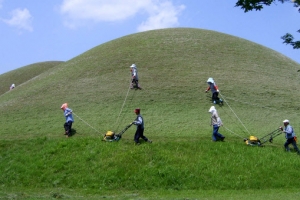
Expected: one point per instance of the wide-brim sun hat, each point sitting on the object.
(212, 108)
(210, 80)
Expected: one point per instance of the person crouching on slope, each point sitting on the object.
(139, 122)
(212, 86)
(69, 119)
(216, 122)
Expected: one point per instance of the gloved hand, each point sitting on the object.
(281, 128)
(205, 90)
(67, 114)
(218, 91)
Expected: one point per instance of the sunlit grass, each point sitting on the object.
(173, 65)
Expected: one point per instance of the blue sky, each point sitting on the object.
(34, 31)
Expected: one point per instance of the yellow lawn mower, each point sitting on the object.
(111, 136)
(255, 141)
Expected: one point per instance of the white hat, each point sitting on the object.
(212, 109)
(133, 66)
(286, 121)
(210, 80)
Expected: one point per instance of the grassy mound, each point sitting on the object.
(24, 74)
(257, 84)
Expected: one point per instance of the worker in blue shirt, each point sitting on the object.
(289, 135)
(139, 122)
(69, 119)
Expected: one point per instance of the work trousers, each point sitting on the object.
(216, 135)
(293, 142)
(215, 96)
(139, 134)
(68, 127)
(134, 83)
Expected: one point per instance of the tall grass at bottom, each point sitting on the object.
(181, 164)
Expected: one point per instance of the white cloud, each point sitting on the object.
(163, 16)
(21, 19)
(160, 13)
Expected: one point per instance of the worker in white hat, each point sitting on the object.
(216, 122)
(134, 77)
(289, 135)
(12, 86)
(212, 86)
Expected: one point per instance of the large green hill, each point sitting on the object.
(259, 87)
(173, 65)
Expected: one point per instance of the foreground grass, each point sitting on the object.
(168, 168)
(60, 193)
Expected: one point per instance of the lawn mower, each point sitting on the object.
(254, 141)
(110, 136)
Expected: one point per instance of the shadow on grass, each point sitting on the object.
(73, 132)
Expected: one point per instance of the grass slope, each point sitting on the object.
(257, 83)
(23, 74)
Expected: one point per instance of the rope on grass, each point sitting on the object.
(122, 106)
(252, 104)
(233, 132)
(86, 123)
(117, 121)
(234, 113)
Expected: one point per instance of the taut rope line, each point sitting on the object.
(234, 112)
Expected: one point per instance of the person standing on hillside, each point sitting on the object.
(69, 119)
(139, 122)
(12, 86)
(290, 136)
(216, 122)
(134, 77)
(212, 86)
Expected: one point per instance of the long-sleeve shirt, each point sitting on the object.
(134, 73)
(215, 119)
(68, 115)
(289, 132)
(139, 122)
(213, 87)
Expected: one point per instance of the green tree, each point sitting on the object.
(249, 5)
